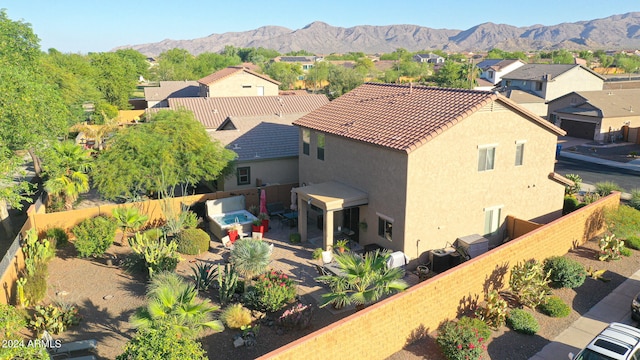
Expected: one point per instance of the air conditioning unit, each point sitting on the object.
(474, 245)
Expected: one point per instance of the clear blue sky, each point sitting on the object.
(100, 25)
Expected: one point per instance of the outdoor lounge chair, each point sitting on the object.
(67, 349)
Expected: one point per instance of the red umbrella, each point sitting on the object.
(263, 201)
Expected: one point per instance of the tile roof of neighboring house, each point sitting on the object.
(496, 64)
(403, 117)
(169, 89)
(211, 112)
(229, 71)
(544, 71)
(260, 137)
(606, 103)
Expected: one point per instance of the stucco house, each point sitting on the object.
(493, 70)
(237, 81)
(532, 85)
(259, 129)
(413, 168)
(156, 96)
(604, 116)
(430, 58)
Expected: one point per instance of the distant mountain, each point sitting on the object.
(610, 33)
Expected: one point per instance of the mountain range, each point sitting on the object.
(610, 33)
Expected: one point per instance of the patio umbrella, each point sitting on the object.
(263, 201)
(294, 200)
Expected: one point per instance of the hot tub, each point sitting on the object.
(220, 223)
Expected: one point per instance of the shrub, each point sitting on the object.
(236, 316)
(296, 317)
(570, 204)
(635, 199)
(12, 321)
(565, 273)
(317, 253)
(633, 242)
(555, 307)
(605, 188)
(523, 322)
(162, 343)
(530, 283)
(626, 252)
(190, 220)
(192, 241)
(94, 236)
(54, 319)
(58, 237)
(272, 291)
(154, 234)
(35, 287)
(623, 222)
(610, 248)
(494, 312)
(294, 238)
(463, 339)
(154, 255)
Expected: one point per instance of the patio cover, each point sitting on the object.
(332, 195)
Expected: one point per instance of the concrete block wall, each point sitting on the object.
(384, 328)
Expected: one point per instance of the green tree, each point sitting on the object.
(12, 192)
(174, 64)
(66, 167)
(562, 57)
(450, 75)
(318, 75)
(18, 44)
(250, 258)
(365, 280)
(208, 63)
(343, 80)
(286, 73)
(115, 77)
(175, 304)
(174, 148)
(138, 60)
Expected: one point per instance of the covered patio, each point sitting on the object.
(330, 197)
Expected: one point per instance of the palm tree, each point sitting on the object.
(250, 258)
(97, 132)
(174, 303)
(364, 280)
(66, 166)
(129, 220)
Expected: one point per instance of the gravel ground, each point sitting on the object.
(507, 344)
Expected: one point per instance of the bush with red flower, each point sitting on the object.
(464, 339)
(271, 291)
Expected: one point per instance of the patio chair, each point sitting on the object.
(67, 349)
(321, 270)
(226, 241)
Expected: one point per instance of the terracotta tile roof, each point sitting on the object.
(169, 89)
(229, 71)
(211, 112)
(403, 117)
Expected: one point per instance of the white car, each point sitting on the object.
(617, 341)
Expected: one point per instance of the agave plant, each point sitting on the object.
(175, 303)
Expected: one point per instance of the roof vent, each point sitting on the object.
(236, 146)
(215, 111)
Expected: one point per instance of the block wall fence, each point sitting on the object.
(41, 221)
(384, 328)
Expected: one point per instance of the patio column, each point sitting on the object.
(327, 233)
(302, 219)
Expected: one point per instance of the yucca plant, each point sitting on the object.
(250, 258)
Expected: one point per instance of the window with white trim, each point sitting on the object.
(243, 175)
(385, 227)
(492, 219)
(486, 157)
(519, 152)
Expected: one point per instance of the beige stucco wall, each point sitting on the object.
(449, 194)
(576, 79)
(378, 171)
(444, 193)
(538, 108)
(233, 86)
(276, 171)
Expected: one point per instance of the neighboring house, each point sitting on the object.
(492, 70)
(258, 129)
(237, 81)
(598, 115)
(413, 168)
(307, 62)
(532, 85)
(430, 58)
(156, 96)
(267, 150)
